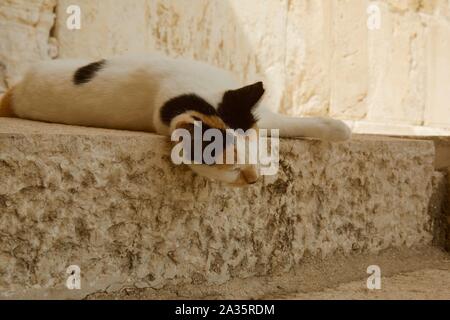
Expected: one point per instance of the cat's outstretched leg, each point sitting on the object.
(326, 129)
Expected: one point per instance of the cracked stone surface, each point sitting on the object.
(113, 203)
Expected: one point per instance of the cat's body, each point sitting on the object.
(124, 92)
(152, 93)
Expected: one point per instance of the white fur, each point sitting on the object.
(129, 91)
(126, 94)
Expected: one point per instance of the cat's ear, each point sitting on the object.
(237, 106)
(246, 97)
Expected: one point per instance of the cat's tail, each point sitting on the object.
(6, 104)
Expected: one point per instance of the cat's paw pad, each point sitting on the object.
(335, 130)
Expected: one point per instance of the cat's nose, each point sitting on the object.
(250, 175)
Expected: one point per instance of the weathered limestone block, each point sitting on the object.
(112, 203)
(437, 111)
(397, 65)
(108, 27)
(308, 55)
(349, 76)
(24, 36)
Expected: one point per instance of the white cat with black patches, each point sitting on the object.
(157, 94)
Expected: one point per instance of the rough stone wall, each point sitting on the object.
(101, 199)
(438, 209)
(24, 36)
(447, 209)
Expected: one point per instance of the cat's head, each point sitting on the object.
(233, 119)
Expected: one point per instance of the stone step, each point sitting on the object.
(112, 203)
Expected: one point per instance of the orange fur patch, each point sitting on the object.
(212, 121)
(6, 105)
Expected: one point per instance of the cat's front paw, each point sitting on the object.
(334, 130)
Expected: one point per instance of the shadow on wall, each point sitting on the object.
(214, 31)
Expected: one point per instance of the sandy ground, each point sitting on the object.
(423, 284)
(419, 273)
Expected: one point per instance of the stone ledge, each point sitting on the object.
(396, 129)
(112, 203)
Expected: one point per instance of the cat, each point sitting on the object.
(158, 94)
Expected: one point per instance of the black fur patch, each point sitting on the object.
(179, 105)
(88, 72)
(236, 108)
